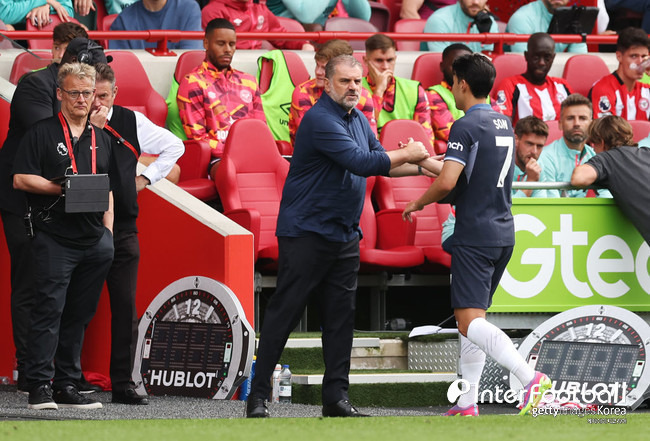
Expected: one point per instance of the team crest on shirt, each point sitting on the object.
(260, 21)
(61, 149)
(246, 96)
(237, 21)
(644, 104)
(501, 98)
(604, 105)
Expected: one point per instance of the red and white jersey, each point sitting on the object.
(609, 96)
(517, 98)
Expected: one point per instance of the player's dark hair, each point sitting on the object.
(630, 37)
(218, 23)
(575, 99)
(66, 32)
(478, 72)
(380, 41)
(333, 48)
(531, 125)
(612, 130)
(455, 47)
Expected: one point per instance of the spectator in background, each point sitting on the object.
(144, 15)
(305, 95)
(393, 97)
(117, 6)
(62, 35)
(214, 95)
(559, 158)
(421, 9)
(536, 17)
(534, 92)
(621, 93)
(14, 12)
(441, 100)
(250, 17)
(314, 13)
(464, 17)
(642, 6)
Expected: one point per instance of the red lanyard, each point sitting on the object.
(68, 144)
(121, 139)
(580, 155)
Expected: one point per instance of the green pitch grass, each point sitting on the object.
(483, 428)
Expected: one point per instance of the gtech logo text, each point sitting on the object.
(611, 265)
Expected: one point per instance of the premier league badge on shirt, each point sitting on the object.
(604, 105)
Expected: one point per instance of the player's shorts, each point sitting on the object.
(475, 274)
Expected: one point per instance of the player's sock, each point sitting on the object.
(472, 360)
(495, 343)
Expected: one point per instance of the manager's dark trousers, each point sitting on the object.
(121, 281)
(22, 282)
(310, 266)
(69, 282)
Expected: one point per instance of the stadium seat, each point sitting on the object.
(582, 71)
(426, 69)
(194, 170)
(387, 243)
(349, 24)
(250, 179)
(187, 61)
(394, 6)
(507, 65)
(26, 62)
(641, 129)
(105, 25)
(4, 120)
(134, 89)
(554, 131)
(290, 24)
(359, 56)
(380, 16)
(45, 43)
(395, 193)
(409, 25)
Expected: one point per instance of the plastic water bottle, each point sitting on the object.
(641, 68)
(275, 383)
(245, 388)
(285, 384)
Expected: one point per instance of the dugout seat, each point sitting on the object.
(409, 25)
(554, 131)
(507, 65)
(250, 179)
(26, 62)
(582, 71)
(395, 193)
(134, 88)
(194, 170)
(426, 69)
(641, 129)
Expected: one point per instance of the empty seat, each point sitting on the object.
(582, 71)
(105, 25)
(508, 65)
(554, 131)
(395, 193)
(26, 62)
(349, 24)
(426, 69)
(394, 6)
(380, 16)
(194, 170)
(409, 25)
(134, 89)
(290, 24)
(250, 179)
(641, 129)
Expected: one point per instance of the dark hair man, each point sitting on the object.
(477, 171)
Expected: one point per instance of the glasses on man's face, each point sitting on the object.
(74, 94)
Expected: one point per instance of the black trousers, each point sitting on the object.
(121, 281)
(69, 282)
(22, 282)
(310, 266)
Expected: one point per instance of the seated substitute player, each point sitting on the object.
(534, 92)
(477, 178)
(621, 93)
(620, 166)
(305, 95)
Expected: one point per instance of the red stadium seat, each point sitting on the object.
(290, 24)
(134, 89)
(105, 25)
(387, 243)
(582, 71)
(394, 6)
(409, 25)
(508, 65)
(4, 120)
(296, 67)
(554, 131)
(380, 16)
(47, 42)
(26, 62)
(186, 62)
(194, 170)
(395, 193)
(641, 129)
(426, 69)
(250, 179)
(359, 56)
(350, 24)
